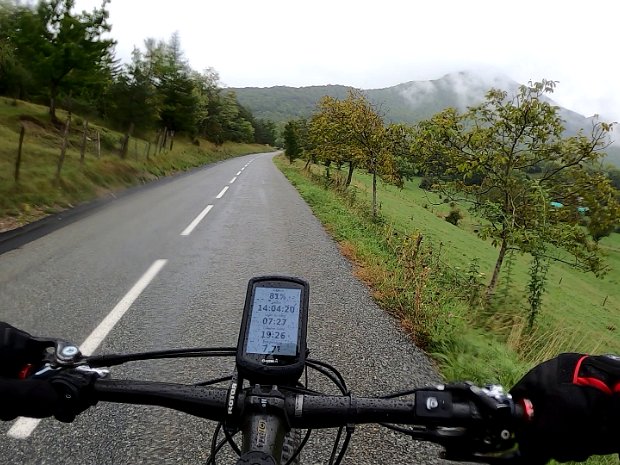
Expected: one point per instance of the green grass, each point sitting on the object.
(463, 352)
(583, 309)
(38, 194)
(467, 344)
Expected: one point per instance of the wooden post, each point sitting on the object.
(171, 139)
(83, 146)
(98, 144)
(125, 141)
(63, 149)
(164, 139)
(135, 147)
(18, 161)
(147, 149)
(157, 142)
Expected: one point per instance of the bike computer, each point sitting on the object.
(272, 339)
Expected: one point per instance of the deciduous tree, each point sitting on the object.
(508, 160)
(53, 41)
(352, 131)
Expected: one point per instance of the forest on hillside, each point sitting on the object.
(51, 54)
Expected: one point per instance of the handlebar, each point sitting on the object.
(474, 424)
(465, 419)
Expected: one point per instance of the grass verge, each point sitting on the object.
(435, 301)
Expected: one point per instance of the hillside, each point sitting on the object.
(409, 102)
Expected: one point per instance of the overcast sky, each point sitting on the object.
(381, 43)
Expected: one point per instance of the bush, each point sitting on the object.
(454, 216)
(427, 183)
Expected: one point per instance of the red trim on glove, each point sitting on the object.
(592, 382)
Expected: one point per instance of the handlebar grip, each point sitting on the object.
(204, 402)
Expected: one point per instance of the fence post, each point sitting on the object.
(98, 144)
(83, 146)
(18, 161)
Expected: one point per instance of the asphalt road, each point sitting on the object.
(65, 283)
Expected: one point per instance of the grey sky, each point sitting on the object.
(385, 42)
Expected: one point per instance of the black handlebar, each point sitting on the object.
(305, 410)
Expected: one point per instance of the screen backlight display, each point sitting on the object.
(274, 325)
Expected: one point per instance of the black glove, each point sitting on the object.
(18, 349)
(63, 395)
(75, 393)
(576, 401)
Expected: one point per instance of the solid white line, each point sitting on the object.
(238, 173)
(24, 427)
(221, 194)
(233, 180)
(187, 231)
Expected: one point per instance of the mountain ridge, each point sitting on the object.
(407, 102)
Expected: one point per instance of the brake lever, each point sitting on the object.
(59, 354)
(486, 434)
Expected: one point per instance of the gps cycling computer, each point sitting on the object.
(272, 340)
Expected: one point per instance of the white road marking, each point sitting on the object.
(221, 194)
(233, 180)
(187, 231)
(24, 427)
(238, 173)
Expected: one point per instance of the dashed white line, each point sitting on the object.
(187, 231)
(24, 427)
(221, 194)
(233, 180)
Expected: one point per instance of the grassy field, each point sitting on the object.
(38, 194)
(580, 312)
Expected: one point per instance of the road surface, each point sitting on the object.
(168, 267)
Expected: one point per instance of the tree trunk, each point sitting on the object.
(498, 266)
(350, 175)
(63, 149)
(53, 93)
(164, 140)
(374, 194)
(18, 161)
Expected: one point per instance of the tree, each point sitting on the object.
(292, 142)
(226, 120)
(500, 142)
(352, 131)
(53, 42)
(132, 100)
(264, 131)
(14, 78)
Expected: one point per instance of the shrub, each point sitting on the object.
(426, 183)
(454, 216)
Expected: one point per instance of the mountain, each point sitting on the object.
(409, 102)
